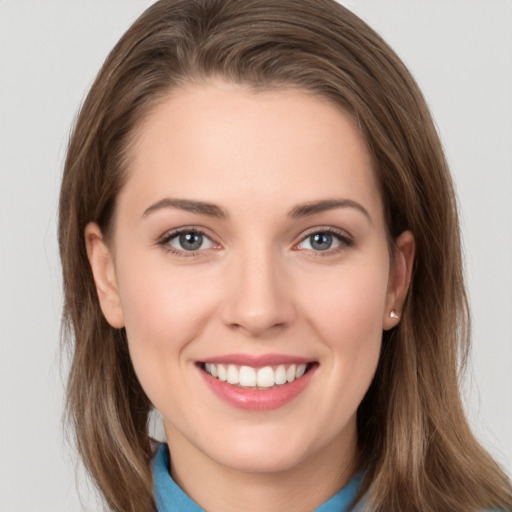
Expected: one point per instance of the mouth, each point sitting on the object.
(262, 378)
(258, 384)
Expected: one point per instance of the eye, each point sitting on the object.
(319, 242)
(187, 240)
(324, 240)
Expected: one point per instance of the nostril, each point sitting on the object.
(259, 328)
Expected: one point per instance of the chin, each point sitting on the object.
(262, 461)
(257, 450)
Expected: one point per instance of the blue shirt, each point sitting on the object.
(170, 498)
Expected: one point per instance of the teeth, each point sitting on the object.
(265, 377)
(290, 373)
(233, 377)
(280, 376)
(248, 377)
(221, 373)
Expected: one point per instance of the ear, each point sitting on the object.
(399, 278)
(103, 270)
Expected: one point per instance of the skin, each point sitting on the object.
(256, 286)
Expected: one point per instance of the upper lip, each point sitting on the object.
(257, 361)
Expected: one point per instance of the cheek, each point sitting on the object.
(164, 310)
(349, 305)
(346, 312)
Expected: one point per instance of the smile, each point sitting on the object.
(261, 383)
(249, 377)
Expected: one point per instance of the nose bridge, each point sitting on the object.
(258, 298)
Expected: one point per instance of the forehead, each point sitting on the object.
(216, 141)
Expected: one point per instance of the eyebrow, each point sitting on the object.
(314, 207)
(187, 205)
(212, 210)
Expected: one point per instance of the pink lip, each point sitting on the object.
(258, 399)
(257, 361)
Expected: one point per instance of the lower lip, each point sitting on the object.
(258, 399)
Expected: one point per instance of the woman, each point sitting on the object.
(259, 239)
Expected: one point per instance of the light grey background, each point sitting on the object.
(460, 52)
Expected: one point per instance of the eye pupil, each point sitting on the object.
(191, 241)
(321, 241)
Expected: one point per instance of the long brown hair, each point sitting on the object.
(419, 453)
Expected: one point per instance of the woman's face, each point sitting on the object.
(249, 245)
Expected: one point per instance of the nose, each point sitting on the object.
(259, 297)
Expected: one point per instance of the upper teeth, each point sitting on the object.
(247, 376)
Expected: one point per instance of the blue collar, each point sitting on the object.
(170, 498)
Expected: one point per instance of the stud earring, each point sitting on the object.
(394, 315)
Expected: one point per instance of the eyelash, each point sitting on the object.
(164, 242)
(342, 237)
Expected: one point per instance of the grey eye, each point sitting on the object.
(190, 241)
(320, 241)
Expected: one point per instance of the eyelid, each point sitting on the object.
(346, 239)
(163, 241)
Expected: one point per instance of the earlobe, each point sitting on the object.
(103, 270)
(400, 278)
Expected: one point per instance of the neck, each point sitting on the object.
(302, 488)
